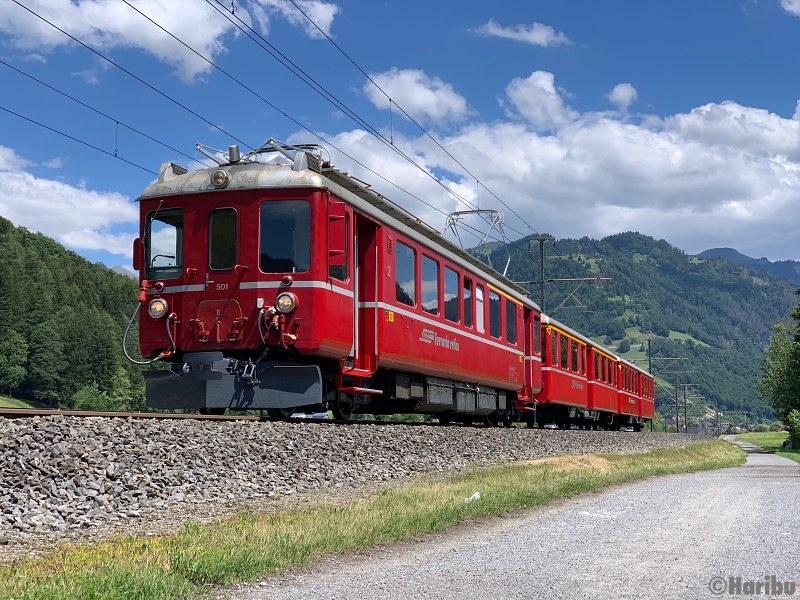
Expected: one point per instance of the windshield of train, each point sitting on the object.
(164, 244)
(285, 236)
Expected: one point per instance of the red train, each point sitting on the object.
(288, 284)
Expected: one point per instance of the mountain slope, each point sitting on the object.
(717, 315)
(64, 316)
(789, 269)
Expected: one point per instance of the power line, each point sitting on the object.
(137, 78)
(111, 154)
(118, 122)
(319, 89)
(299, 124)
(410, 118)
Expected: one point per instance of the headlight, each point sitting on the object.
(157, 308)
(219, 178)
(286, 302)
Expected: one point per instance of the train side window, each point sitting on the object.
(479, 312)
(596, 366)
(467, 302)
(511, 322)
(603, 367)
(340, 271)
(536, 335)
(405, 276)
(583, 359)
(222, 239)
(574, 357)
(285, 236)
(553, 349)
(164, 244)
(450, 295)
(494, 314)
(564, 343)
(430, 285)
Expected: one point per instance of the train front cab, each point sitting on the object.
(220, 261)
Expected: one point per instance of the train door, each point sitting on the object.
(219, 315)
(533, 362)
(365, 296)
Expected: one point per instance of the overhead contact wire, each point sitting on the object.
(99, 112)
(111, 154)
(409, 117)
(136, 77)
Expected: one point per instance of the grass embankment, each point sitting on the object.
(250, 546)
(8, 402)
(771, 441)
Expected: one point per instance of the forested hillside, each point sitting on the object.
(61, 321)
(715, 313)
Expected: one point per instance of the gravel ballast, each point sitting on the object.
(63, 475)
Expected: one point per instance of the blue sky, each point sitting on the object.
(678, 120)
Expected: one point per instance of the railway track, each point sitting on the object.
(27, 413)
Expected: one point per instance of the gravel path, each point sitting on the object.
(659, 538)
(88, 478)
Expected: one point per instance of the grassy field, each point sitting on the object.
(8, 402)
(772, 442)
(253, 545)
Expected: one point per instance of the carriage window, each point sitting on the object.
(285, 236)
(511, 322)
(467, 302)
(603, 367)
(574, 353)
(450, 295)
(564, 342)
(405, 274)
(553, 349)
(583, 359)
(222, 239)
(164, 244)
(494, 314)
(430, 285)
(479, 314)
(536, 335)
(340, 271)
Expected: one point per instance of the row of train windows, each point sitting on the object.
(628, 381)
(284, 239)
(604, 369)
(458, 307)
(565, 352)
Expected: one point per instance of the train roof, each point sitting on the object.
(174, 180)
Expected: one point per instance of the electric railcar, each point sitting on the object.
(287, 284)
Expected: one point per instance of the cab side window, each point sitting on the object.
(222, 239)
(405, 274)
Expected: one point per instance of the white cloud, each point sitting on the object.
(322, 13)
(791, 6)
(718, 175)
(80, 218)
(622, 95)
(108, 25)
(53, 163)
(537, 34)
(537, 100)
(422, 97)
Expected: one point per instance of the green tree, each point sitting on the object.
(780, 370)
(624, 346)
(13, 359)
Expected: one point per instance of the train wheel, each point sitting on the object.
(342, 408)
(444, 420)
(211, 411)
(490, 420)
(280, 413)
